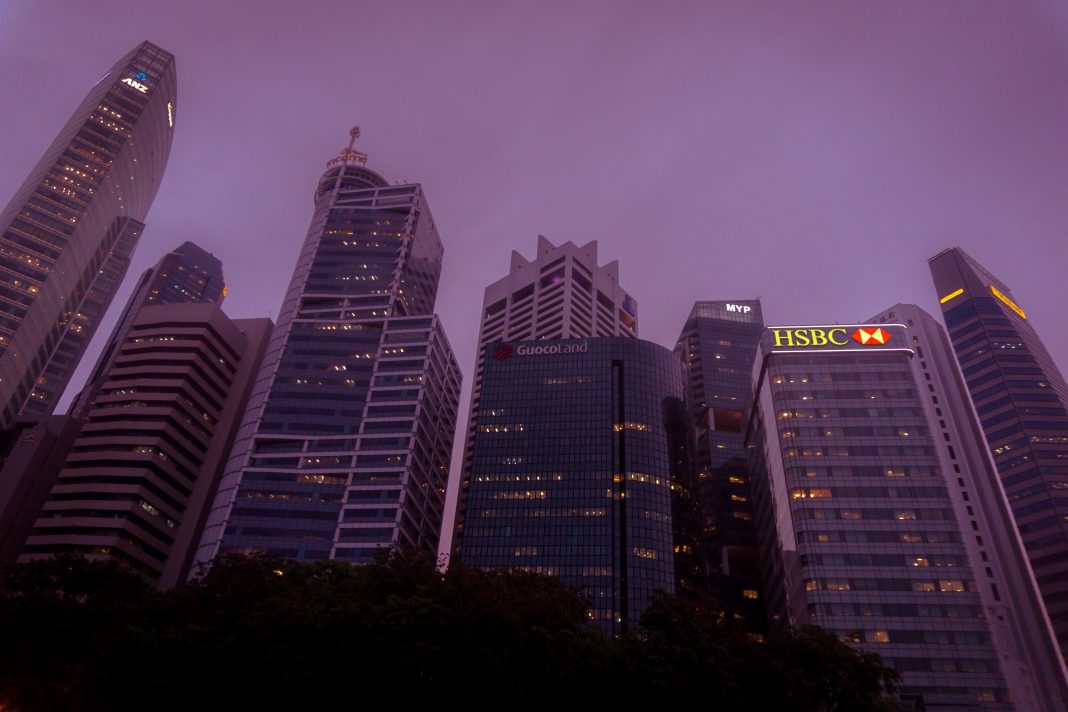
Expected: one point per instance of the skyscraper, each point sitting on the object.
(186, 275)
(153, 441)
(859, 521)
(1022, 402)
(345, 446)
(1012, 604)
(36, 448)
(582, 469)
(67, 235)
(718, 344)
(561, 294)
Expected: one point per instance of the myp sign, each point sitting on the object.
(738, 308)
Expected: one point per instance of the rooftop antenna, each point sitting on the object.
(349, 155)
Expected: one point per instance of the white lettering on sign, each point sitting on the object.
(136, 85)
(740, 308)
(579, 348)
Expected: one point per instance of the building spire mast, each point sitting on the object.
(349, 155)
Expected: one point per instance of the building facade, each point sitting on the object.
(718, 344)
(186, 275)
(1022, 402)
(582, 469)
(68, 233)
(152, 443)
(858, 528)
(561, 294)
(345, 446)
(1012, 604)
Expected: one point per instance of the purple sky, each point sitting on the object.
(813, 154)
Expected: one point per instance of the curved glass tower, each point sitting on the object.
(68, 233)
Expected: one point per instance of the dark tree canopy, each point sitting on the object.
(265, 633)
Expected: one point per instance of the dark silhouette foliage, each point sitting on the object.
(264, 633)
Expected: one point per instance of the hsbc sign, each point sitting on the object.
(506, 351)
(856, 337)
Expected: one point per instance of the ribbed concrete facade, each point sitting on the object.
(67, 235)
(561, 294)
(150, 450)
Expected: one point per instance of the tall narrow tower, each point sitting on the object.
(719, 344)
(561, 294)
(68, 233)
(345, 446)
(1022, 402)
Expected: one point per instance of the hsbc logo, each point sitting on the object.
(871, 336)
(739, 308)
(829, 336)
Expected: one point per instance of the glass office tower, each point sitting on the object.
(68, 233)
(718, 344)
(1022, 402)
(582, 469)
(562, 293)
(1012, 604)
(858, 529)
(345, 446)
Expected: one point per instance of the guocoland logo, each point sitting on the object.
(816, 336)
(506, 351)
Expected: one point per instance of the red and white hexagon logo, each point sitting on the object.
(871, 336)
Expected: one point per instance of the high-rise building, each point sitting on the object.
(857, 519)
(34, 450)
(1012, 604)
(1022, 402)
(68, 233)
(345, 446)
(36, 447)
(186, 275)
(718, 345)
(152, 444)
(561, 294)
(582, 469)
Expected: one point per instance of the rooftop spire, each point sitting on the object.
(349, 155)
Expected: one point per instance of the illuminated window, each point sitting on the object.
(750, 593)
(878, 636)
(949, 586)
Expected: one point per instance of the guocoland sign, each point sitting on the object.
(836, 337)
(507, 351)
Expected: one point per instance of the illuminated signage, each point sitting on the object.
(505, 351)
(951, 295)
(170, 114)
(1008, 302)
(855, 337)
(129, 81)
(871, 336)
(739, 308)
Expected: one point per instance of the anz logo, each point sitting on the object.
(137, 81)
